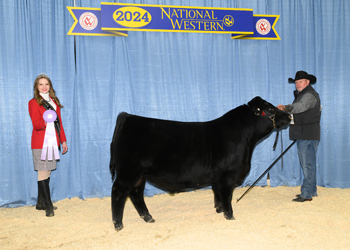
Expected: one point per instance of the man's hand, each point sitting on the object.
(281, 107)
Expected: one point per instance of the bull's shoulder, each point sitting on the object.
(240, 113)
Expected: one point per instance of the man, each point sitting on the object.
(305, 128)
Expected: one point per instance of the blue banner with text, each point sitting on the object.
(119, 18)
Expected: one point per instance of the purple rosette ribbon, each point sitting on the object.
(50, 140)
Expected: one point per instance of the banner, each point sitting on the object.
(264, 28)
(87, 22)
(165, 18)
(119, 18)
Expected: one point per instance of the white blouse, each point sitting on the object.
(48, 99)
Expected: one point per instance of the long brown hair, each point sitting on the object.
(52, 92)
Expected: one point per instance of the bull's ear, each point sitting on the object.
(256, 105)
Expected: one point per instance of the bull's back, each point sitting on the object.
(163, 149)
(162, 140)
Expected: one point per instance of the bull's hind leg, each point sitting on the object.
(136, 196)
(118, 198)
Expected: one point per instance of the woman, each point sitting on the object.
(44, 99)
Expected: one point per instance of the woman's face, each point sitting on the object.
(43, 86)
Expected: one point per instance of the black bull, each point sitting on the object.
(179, 156)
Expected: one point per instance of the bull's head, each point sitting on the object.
(263, 108)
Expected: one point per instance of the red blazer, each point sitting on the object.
(36, 114)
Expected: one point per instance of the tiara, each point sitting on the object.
(42, 75)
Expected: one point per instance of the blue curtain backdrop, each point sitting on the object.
(177, 76)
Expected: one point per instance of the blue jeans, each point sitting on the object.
(307, 155)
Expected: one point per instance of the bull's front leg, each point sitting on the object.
(217, 198)
(225, 190)
(227, 206)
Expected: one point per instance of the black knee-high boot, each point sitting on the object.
(40, 201)
(54, 207)
(40, 204)
(45, 188)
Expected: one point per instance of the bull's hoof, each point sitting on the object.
(151, 221)
(118, 227)
(148, 218)
(229, 217)
(219, 210)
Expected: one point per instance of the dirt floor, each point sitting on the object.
(265, 218)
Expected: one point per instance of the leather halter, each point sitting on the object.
(271, 117)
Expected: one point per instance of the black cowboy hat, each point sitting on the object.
(303, 75)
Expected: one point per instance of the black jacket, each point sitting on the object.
(306, 124)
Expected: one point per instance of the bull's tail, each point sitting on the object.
(112, 166)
